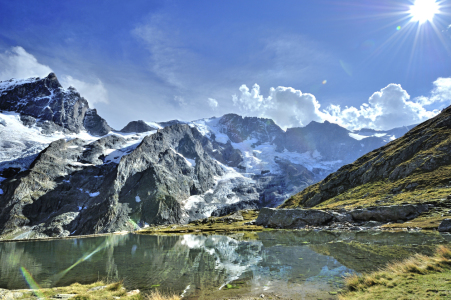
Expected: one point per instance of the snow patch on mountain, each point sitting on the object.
(12, 83)
(210, 126)
(20, 144)
(357, 136)
(262, 157)
(154, 124)
(133, 141)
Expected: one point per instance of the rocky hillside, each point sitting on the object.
(64, 171)
(415, 168)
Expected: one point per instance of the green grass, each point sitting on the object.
(211, 225)
(419, 277)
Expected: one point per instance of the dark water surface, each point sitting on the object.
(302, 263)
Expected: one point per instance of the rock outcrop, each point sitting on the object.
(445, 226)
(46, 100)
(137, 126)
(299, 218)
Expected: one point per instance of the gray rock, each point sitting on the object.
(292, 218)
(342, 217)
(445, 226)
(372, 224)
(27, 120)
(389, 213)
(137, 126)
(95, 124)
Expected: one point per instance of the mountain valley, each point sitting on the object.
(64, 171)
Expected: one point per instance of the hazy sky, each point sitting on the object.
(360, 63)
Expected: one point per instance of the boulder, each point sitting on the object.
(292, 218)
(391, 213)
(445, 226)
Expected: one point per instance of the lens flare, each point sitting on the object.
(424, 10)
(324, 81)
(346, 67)
(106, 243)
(398, 28)
(32, 283)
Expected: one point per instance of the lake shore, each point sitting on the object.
(245, 221)
(418, 277)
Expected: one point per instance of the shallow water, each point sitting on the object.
(291, 264)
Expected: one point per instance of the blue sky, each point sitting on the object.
(293, 61)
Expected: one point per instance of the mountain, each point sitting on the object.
(64, 171)
(46, 100)
(414, 168)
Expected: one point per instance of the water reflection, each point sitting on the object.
(300, 263)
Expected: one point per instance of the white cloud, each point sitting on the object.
(93, 92)
(18, 63)
(180, 101)
(212, 103)
(388, 108)
(286, 106)
(441, 91)
(170, 58)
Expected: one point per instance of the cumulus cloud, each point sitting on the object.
(440, 93)
(287, 106)
(212, 103)
(18, 63)
(93, 92)
(388, 108)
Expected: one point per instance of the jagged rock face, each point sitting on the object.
(420, 158)
(46, 99)
(95, 124)
(49, 191)
(73, 188)
(239, 129)
(331, 140)
(137, 126)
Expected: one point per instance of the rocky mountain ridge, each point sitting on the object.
(46, 100)
(58, 178)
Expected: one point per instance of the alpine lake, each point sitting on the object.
(294, 264)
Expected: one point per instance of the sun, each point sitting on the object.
(424, 10)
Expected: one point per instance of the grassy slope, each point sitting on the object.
(415, 168)
(419, 277)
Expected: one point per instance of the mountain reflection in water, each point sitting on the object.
(201, 266)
